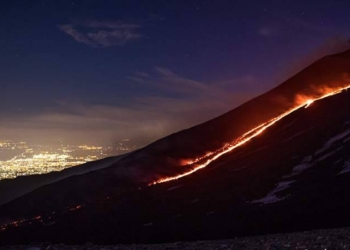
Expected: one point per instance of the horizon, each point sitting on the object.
(83, 73)
(73, 71)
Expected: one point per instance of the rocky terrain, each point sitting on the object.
(318, 239)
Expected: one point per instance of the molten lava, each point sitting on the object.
(308, 103)
(203, 161)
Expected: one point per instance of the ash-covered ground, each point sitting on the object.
(318, 239)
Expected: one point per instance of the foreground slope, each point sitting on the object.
(313, 240)
(293, 174)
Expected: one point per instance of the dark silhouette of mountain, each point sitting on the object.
(293, 176)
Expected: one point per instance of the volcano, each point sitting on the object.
(277, 163)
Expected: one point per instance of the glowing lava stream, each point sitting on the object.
(242, 139)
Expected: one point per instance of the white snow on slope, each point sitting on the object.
(175, 187)
(346, 168)
(307, 162)
(332, 140)
(304, 164)
(327, 155)
(272, 197)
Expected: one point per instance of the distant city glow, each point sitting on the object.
(21, 158)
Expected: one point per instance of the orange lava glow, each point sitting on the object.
(308, 103)
(203, 161)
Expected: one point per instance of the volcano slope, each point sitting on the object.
(293, 176)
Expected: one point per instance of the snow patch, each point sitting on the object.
(332, 140)
(305, 164)
(272, 196)
(174, 187)
(326, 155)
(346, 168)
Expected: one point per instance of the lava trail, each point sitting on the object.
(205, 160)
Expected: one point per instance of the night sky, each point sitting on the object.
(101, 71)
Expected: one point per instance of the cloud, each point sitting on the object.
(177, 103)
(102, 33)
(141, 74)
(171, 83)
(79, 37)
(164, 72)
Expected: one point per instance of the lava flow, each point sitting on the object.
(212, 156)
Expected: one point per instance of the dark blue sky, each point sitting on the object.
(99, 71)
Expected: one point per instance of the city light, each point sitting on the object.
(31, 159)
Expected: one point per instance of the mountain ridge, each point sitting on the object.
(118, 196)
